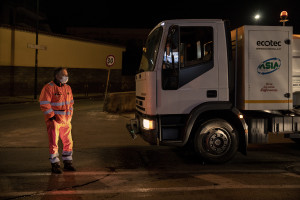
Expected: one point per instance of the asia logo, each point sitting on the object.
(269, 66)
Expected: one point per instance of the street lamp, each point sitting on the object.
(257, 18)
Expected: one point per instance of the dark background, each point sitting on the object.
(146, 14)
(58, 15)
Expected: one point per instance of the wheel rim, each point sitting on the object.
(217, 141)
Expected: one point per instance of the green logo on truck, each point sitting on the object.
(269, 66)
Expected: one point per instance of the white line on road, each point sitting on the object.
(214, 182)
(292, 174)
(146, 190)
(219, 180)
(140, 172)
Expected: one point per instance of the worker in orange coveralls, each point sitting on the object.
(56, 102)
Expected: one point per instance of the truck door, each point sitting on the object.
(189, 75)
(269, 69)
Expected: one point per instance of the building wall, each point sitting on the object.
(85, 60)
(112, 35)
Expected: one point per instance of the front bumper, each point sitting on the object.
(138, 126)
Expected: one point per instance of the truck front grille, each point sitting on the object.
(140, 103)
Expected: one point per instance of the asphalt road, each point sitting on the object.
(112, 166)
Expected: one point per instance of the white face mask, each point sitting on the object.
(64, 79)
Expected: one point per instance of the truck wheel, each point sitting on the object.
(216, 141)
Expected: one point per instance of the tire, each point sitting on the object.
(216, 141)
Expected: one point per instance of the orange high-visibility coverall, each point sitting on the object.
(57, 100)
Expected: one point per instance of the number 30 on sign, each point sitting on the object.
(110, 60)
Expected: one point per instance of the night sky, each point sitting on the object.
(146, 14)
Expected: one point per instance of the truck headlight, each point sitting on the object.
(148, 124)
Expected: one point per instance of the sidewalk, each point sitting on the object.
(27, 99)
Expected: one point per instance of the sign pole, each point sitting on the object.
(110, 61)
(36, 50)
(107, 83)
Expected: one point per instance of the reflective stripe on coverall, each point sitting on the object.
(58, 101)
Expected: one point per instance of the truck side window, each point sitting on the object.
(189, 53)
(171, 53)
(196, 46)
(196, 52)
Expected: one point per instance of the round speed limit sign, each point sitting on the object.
(110, 60)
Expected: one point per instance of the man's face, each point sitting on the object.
(62, 73)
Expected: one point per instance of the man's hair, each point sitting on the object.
(58, 69)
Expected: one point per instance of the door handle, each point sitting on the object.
(211, 93)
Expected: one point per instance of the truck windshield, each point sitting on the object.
(150, 50)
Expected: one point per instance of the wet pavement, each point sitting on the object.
(110, 165)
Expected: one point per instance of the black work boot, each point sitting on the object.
(68, 165)
(56, 168)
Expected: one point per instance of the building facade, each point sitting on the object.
(85, 60)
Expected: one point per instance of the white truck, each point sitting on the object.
(200, 84)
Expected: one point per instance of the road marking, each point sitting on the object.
(218, 180)
(140, 172)
(145, 190)
(215, 182)
(292, 174)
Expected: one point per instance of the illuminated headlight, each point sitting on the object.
(148, 124)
